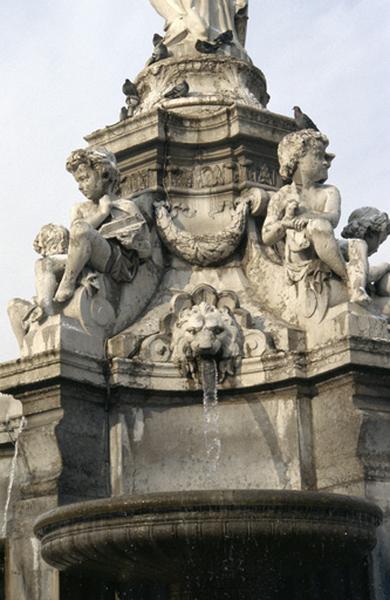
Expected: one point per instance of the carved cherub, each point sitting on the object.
(366, 230)
(305, 212)
(52, 244)
(107, 233)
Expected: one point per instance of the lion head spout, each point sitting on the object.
(204, 331)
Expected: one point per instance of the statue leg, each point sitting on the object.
(86, 244)
(321, 234)
(358, 271)
(48, 271)
(17, 310)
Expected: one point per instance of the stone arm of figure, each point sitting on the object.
(91, 213)
(332, 208)
(280, 217)
(169, 9)
(378, 271)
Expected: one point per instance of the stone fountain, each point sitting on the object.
(204, 378)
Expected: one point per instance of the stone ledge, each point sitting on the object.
(49, 366)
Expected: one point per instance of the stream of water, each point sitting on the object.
(209, 378)
(36, 566)
(12, 474)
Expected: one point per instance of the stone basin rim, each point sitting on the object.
(336, 506)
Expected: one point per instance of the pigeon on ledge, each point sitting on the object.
(160, 50)
(132, 99)
(178, 91)
(224, 39)
(129, 88)
(302, 121)
(123, 114)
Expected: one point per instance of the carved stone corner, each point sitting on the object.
(81, 326)
(346, 321)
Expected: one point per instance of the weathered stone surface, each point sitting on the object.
(160, 444)
(199, 325)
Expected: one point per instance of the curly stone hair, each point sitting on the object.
(295, 146)
(366, 220)
(100, 159)
(51, 239)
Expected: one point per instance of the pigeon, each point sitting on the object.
(206, 47)
(224, 39)
(302, 121)
(178, 91)
(129, 89)
(160, 50)
(123, 114)
(157, 39)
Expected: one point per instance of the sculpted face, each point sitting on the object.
(91, 183)
(314, 165)
(204, 333)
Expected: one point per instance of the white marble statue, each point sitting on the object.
(366, 230)
(108, 242)
(199, 19)
(107, 233)
(304, 214)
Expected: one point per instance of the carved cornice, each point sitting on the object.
(198, 126)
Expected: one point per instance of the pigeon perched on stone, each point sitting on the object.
(129, 89)
(224, 39)
(160, 50)
(132, 99)
(302, 121)
(123, 114)
(178, 91)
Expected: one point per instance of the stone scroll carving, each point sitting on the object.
(205, 324)
(204, 249)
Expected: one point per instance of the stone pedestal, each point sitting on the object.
(197, 149)
(62, 457)
(326, 431)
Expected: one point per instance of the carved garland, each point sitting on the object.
(206, 249)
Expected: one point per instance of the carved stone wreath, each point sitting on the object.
(205, 249)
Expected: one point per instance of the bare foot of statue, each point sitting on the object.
(360, 296)
(65, 291)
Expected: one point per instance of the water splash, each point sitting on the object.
(36, 566)
(12, 474)
(209, 378)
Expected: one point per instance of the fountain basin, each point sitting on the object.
(168, 537)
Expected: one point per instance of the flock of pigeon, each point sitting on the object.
(182, 89)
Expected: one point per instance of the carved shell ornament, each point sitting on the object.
(203, 250)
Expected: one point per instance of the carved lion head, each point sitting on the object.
(205, 331)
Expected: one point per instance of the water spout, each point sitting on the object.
(208, 370)
(12, 474)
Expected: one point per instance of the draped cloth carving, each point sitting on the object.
(199, 19)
